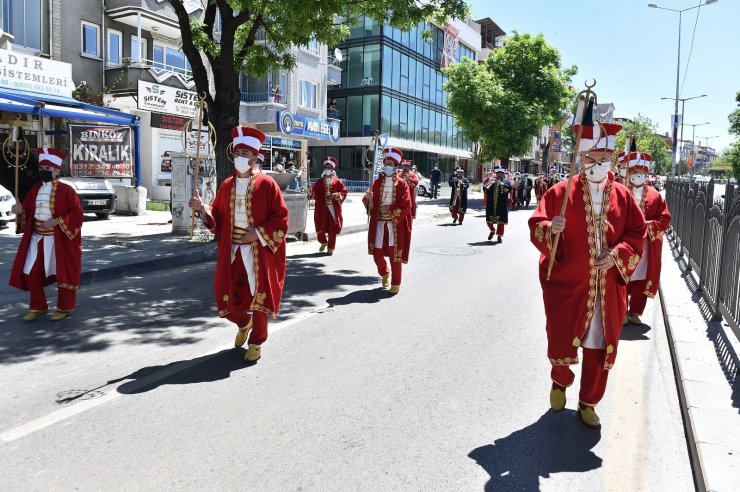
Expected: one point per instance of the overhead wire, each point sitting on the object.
(691, 50)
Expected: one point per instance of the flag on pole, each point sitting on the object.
(690, 162)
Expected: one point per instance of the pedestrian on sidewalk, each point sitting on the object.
(600, 243)
(51, 247)
(497, 192)
(459, 196)
(389, 235)
(435, 178)
(329, 194)
(250, 220)
(554, 178)
(645, 280)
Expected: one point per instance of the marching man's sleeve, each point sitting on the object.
(274, 229)
(71, 222)
(540, 232)
(628, 251)
(656, 228)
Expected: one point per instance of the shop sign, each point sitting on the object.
(30, 73)
(166, 99)
(101, 151)
(293, 124)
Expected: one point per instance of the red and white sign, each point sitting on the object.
(449, 49)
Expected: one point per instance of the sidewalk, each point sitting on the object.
(707, 370)
(129, 245)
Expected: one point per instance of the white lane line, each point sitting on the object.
(39, 423)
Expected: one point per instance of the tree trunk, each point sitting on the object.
(224, 112)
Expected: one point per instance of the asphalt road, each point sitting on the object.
(443, 387)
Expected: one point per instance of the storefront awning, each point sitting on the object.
(61, 107)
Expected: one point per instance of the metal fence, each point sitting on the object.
(707, 230)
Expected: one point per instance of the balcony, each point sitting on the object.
(269, 99)
(333, 114)
(125, 77)
(333, 72)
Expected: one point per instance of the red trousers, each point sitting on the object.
(329, 229)
(239, 312)
(593, 376)
(379, 257)
(499, 228)
(456, 214)
(637, 299)
(66, 298)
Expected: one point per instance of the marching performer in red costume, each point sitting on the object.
(412, 180)
(389, 205)
(601, 240)
(540, 186)
(250, 219)
(51, 247)
(645, 280)
(329, 193)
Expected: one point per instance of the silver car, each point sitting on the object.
(6, 203)
(96, 195)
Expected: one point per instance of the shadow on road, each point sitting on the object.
(369, 296)
(204, 369)
(484, 243)
(632, 332)
(556, 443)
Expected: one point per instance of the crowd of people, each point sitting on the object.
(599, 234)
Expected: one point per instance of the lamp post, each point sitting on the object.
(706, 144)
(678, 70)
(693, 153)
(683, 103)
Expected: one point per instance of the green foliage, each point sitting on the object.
(732, 157)
(506, 101)
(647, 140)
(735, 118)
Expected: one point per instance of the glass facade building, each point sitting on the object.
(392, 83)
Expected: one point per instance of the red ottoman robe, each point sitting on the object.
(655, 210)
(321, 213)
(400, 210)
(570, 294)
(267, 212)
(65, 206)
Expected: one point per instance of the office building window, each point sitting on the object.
(90, 39)
(28, 22)
(307, 94)
(115, 48)
(138, 49)
(312, 47)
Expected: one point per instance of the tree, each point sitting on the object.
(235, 48)
(732, 157)
(734, 118)
(647, 140)
(507, 100)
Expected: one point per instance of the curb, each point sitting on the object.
(694, 455)
(202, 254)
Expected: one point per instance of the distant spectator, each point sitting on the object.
(435, 178)
(276, 93)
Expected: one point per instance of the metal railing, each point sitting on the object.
(262, 97)
(332, 113)
(707, 230)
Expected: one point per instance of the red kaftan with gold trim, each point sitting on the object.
(658, 218)
(65, 207)
(320, 210)
(570, 294)
(399, 209)
(267, 212)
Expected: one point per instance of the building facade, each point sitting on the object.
(392, 83)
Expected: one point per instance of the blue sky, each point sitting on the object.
(630, 49)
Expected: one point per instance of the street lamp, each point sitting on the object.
(693, 134)
(678, 70)
(683, 103)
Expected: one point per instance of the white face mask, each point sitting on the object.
(327, 172)
(623, 172)
(388, 170)
(637, 180)
(241, 164)
(598, 172)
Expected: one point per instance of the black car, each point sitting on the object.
(96, 195)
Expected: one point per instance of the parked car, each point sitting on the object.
(6, 202)
(96, 195)
(425, 186)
